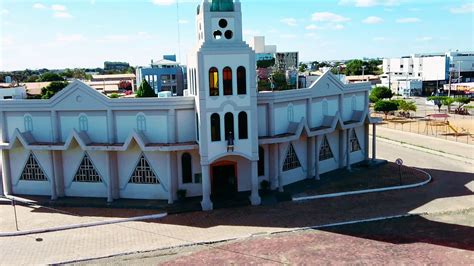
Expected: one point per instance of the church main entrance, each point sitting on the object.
(224, 179)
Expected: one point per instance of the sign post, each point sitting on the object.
(399, 162)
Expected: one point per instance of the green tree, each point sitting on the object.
(386, 106)
(54, 87)
(462, 101)
(114, 96)
(50, 76)
(354, 67)
(145, 90)
(380, 93)
(442, 100)
(303, 67)
(406, 106)
(279, 80)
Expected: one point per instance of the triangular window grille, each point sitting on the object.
(354, 142)
(325, 152)
(143, 173)
(86, 173)
(291, 160)
(32, 170)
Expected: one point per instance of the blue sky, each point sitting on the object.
(85, 33)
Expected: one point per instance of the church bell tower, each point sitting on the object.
(222, 77)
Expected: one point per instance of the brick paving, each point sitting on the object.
(400, 241)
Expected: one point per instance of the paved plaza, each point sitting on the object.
(450, 191)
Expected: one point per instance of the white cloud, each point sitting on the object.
(338, 27)
(69, 37)
(4, 12)
(183, 21)
(464, 9)
(372, 20)
(58, 8)
(39, 6)
(62, 15)
(313, 27)
(6, 41)
(163, 2)
(290, 21)
(379, 39)
(408, 20)
(369, 3)
(424, 39)
(250, 32)
(329, 17)
(92, 2)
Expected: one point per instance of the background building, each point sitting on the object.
(432, 69)
(164, 75)
(116, 66)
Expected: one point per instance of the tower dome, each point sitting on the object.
(222, 6)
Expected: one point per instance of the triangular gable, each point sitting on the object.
(327, 85)
(80, 96)
(291, 159)
(32, 170)
(143, 173)
(86, 172)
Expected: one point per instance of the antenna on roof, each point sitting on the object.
(179, 30)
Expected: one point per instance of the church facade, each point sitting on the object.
(221, 138)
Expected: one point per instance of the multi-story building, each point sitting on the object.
(220, 139)
(164, 75)
(432, 69)
(116, 66)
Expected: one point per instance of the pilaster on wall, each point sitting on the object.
(173, 170)
(3, 127)
(309, 111)
(271, 120)
(172, 126)
(111, 132)
(58, 172)
(2, 136)
(55, 135)
(7, 182)
(311, 150)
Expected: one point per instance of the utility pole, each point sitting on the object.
(363, 73)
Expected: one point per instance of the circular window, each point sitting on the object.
(217, 34)
(222, 23)
(229, 34)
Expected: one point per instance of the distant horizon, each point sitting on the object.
(86, 33)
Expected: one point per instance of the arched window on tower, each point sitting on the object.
(215, 127)
(213, 82)
(187, 168)
(243, 126)
(229, 126)
(227, 81)
(241, 81)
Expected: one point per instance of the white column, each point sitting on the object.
(255, 197)
(58, 172)
(366, 140)
(3, 138)
(374, 142)
(2, 193)
(348, 150)
(316, 164)
(279, 162)
(54, 194)
(110, 126)
(173, 170)
(7, 182)
(110, 190)
(274, 166)
(311, 152)
(206, 202)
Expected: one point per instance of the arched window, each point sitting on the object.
(261, 161)
(28, 122)
(325, 107)
(213, 82)
(354, 103)
(243, 126)
(187, 168)
(229, 126)
(83, 123)
(241, 81)
(290, 113)
(215, 127)
(227, 81)
(141, 123)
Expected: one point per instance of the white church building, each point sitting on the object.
(221, 138)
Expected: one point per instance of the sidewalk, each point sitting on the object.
(431, 143)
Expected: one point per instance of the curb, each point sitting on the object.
(341, 194)
(84, 225)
